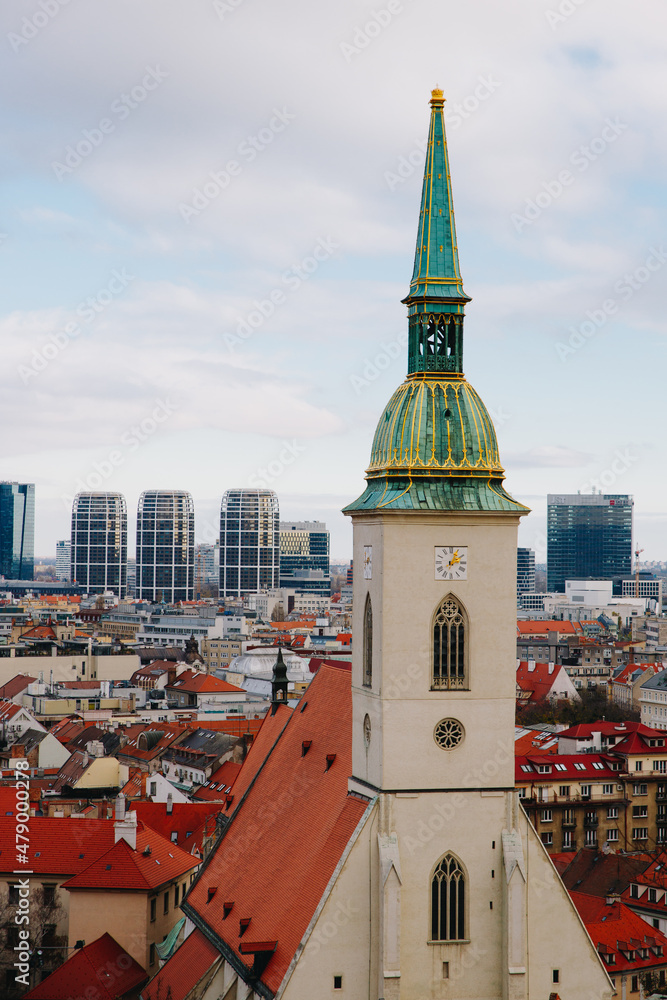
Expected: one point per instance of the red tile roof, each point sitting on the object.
(14, 686)
(571, 766)
(39, 632)
(220, 783)
(196, 682)
(312, 821)
(102, 969)
(8, 710)
(539, 681)
(179, 976)
(585, 730)
(317, 661)
(186, 820)
(542, 627)
(597, 874)
(616, 930)
(233, 725)
(171, 733)
(58, 846)
(122, 867)
(535, 741)
(67, 729)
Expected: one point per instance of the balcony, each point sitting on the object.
(590, 822)
(569, 823)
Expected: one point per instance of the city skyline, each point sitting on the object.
(176, 291)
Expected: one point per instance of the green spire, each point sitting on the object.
(436, 299)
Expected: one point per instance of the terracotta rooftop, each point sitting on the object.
(220, 783)
(86, 973)
(154, 862)
(596, 874)
(14, 686)
(185, 822)
(58, 846)
(195, 682)
(312, 822)
(179, 976)
(625, 941)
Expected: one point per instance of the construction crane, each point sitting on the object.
(638, 552)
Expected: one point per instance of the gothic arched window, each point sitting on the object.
(450, 655)
(368, 643)
(448, 902)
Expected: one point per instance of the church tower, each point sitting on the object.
(434, 662)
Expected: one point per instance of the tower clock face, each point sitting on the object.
(368, 562)
(451, 562)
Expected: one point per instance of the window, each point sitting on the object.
(612, 835)
(544, 768)
(634, 891)
(448, 901)
(153, 908)
(638, 765)
(607, 789)
(640, 833)
(586, 791)
(547, 815)
(555, 976)
(151, 960)
(591, 839)
(547, 839)
(578, 766)
(639, 812)
(449, 647)
(49, 892)
(639, 789)
(660, 765)
(652, 897)
(176, 888)
(368, 643)
(564, 790)
(13, 895)
(338, 982)
(567, 840)
(635, 984)
(560, 767)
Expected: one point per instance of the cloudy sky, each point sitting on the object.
(208, 220)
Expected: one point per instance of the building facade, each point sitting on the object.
(63, 560)
(589, 536)
(207, 559)
(304, 556)
(98, 548)
(17, 531)
(249, 542)
(525, 571)
(165, 560)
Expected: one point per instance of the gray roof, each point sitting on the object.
(658, 682)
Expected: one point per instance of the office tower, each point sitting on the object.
(98, 551)
(304, 556)
(17, 531)
(525, 571)
(207, 566)
(63, 560)
(589, 537)
(165, 546)
(249, 542)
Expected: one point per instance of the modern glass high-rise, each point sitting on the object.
(249, 542)
(304, 556)
(98, 548)
(525, 571)
(589, 537)
(17, 531)
(165, 546)
(64, 560)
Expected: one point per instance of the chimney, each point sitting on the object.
(551, 668)
(170, 804)
(531, 666)
(125, 826)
